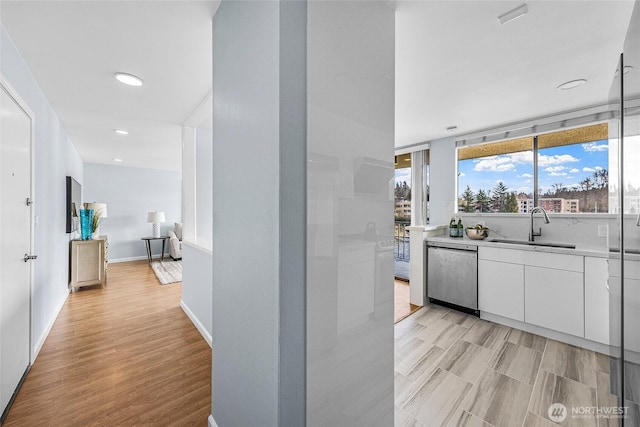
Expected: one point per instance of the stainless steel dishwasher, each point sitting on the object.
(452, 275)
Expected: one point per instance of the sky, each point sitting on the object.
(403, 174)
(566, 165)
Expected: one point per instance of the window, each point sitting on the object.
(571, 175)
(496, 177)
(402, 193)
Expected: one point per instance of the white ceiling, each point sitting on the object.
(73, 48)
(455, 65)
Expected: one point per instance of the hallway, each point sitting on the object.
(124, 355)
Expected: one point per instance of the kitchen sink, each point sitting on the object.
(526, 242)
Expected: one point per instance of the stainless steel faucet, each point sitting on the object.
(533, 234)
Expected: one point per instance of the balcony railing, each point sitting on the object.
(401, 234)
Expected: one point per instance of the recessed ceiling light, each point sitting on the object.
(452, 128)
(572, 84)
(115, 159)
(513, 14)
(128, 79)
(121, 131)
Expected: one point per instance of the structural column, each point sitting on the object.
(302, 205)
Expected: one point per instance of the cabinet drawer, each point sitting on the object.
(512, 256)
(555, 261)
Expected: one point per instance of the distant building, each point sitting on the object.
(525, 205)
(555, 205)
(403, 208)
(560, 205)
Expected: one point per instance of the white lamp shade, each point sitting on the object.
(155, 217)
(99, 209)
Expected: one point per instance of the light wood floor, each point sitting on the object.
(452, 369)
(402, 306)
(126, 355)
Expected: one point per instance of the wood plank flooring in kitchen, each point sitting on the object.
(125, 355)
(452, 369)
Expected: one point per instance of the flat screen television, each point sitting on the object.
(74, 200)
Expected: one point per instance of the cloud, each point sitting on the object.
(574, 170)
(556, 159)
(599, 168)
(591, 147)
(494, 164)
(555, 168)
(526, 175)
(462, 174)
(522, 157)
(587, 169)
(403, 175)
(558, 174)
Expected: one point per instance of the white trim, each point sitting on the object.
(196, 322)
(45, 333)
(548, 333)
(212, 422)
(133, 258)
(420, 146)
(6, 85)
(200, 246)
(539, 125)
(534, 125)
(202, 112)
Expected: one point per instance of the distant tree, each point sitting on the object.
(511, 203)
(499, 197)
(601, 178)
(559, 188)
(586, 184)
(484, 200)
(402, 191)
(469, 200)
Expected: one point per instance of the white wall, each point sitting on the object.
(197, 277)
(442, 182)
(246, 212)
(55, 157)
(197, 281)
(130, 193)
(204, 186)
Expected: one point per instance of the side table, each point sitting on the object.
(148, 240)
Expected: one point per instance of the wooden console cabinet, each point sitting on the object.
(88, 260)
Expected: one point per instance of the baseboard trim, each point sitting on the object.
(548, 333)
(212, 422)
(133, 258)
(38, 345)
(196, 322)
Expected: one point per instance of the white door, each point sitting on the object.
(15, 243)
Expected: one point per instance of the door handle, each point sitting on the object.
(27, 257)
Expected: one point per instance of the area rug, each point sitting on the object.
(167, 271)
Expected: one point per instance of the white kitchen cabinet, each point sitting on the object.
(554, 298)
(501, 288)
(596, 299)
(631, 304)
